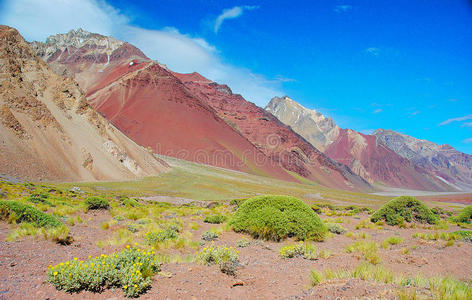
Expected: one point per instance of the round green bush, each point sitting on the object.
(277, 217)
(26, 213)
(404, 209)
(96, 202)
(465, 216)
(214, 219)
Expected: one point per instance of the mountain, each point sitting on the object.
(149, 104)
(317, 129)
(442, 160)
(186, 115)
(368, 158)
(276, 140)
(49, 131)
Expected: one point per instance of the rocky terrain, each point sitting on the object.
(366, 155)
(317, 129)
(50, 132)
(444, 161)
(186, 115)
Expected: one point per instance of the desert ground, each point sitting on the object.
(357, 259)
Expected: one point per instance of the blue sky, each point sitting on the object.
(401, 65)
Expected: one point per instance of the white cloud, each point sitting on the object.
(467, 141)
(180, 52)
(459, 119)
(342, 8)
(284, 79)
(414, 113)
(231, 13)
(373, 51)
(38, 19)
(378, 110)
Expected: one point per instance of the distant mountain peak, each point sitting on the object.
(319, 130)
(442, 160)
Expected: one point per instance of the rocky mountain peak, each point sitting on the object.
(75, 39)
(319, 130)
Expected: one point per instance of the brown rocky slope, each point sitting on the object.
(163, 110)
(49, 131)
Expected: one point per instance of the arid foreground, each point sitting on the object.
(357, 258)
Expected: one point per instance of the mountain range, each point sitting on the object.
(83, 106)
(385, 157)
(186, 115)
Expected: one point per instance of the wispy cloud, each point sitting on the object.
(342, 8)
(378, 110)
(179, 51)
(467, 141)
(373, 51)
(231, 13)
(467, 124)
(284, 79)
(459, 119)
(414, 113)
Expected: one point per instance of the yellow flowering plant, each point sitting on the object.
(225, 257)
(129, 269)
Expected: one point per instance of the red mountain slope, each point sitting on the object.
(199, 121)
(150, 105)
(276, 140)
(377, 163)
(364, 154)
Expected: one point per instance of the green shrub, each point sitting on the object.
(305, 250)
(316, 277)
(393, 240)
(367, 249)
(465, 216)
(214, 219)
(18, 213)
(464, 235)
(243, 243)
(130, 269)
(155, 237)
(96, 202)
(441, 212)
(278, 217)
(237, 202)
(225, 257)
(316, 209)
(40, 198)
(209, 236)
(130, 202)
(404, 209)
(335, 228)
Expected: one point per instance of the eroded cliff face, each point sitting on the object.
(48, 129)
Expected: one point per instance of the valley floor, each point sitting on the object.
(263, 273)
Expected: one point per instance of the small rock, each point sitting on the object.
(238, 283)
(212, 204)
